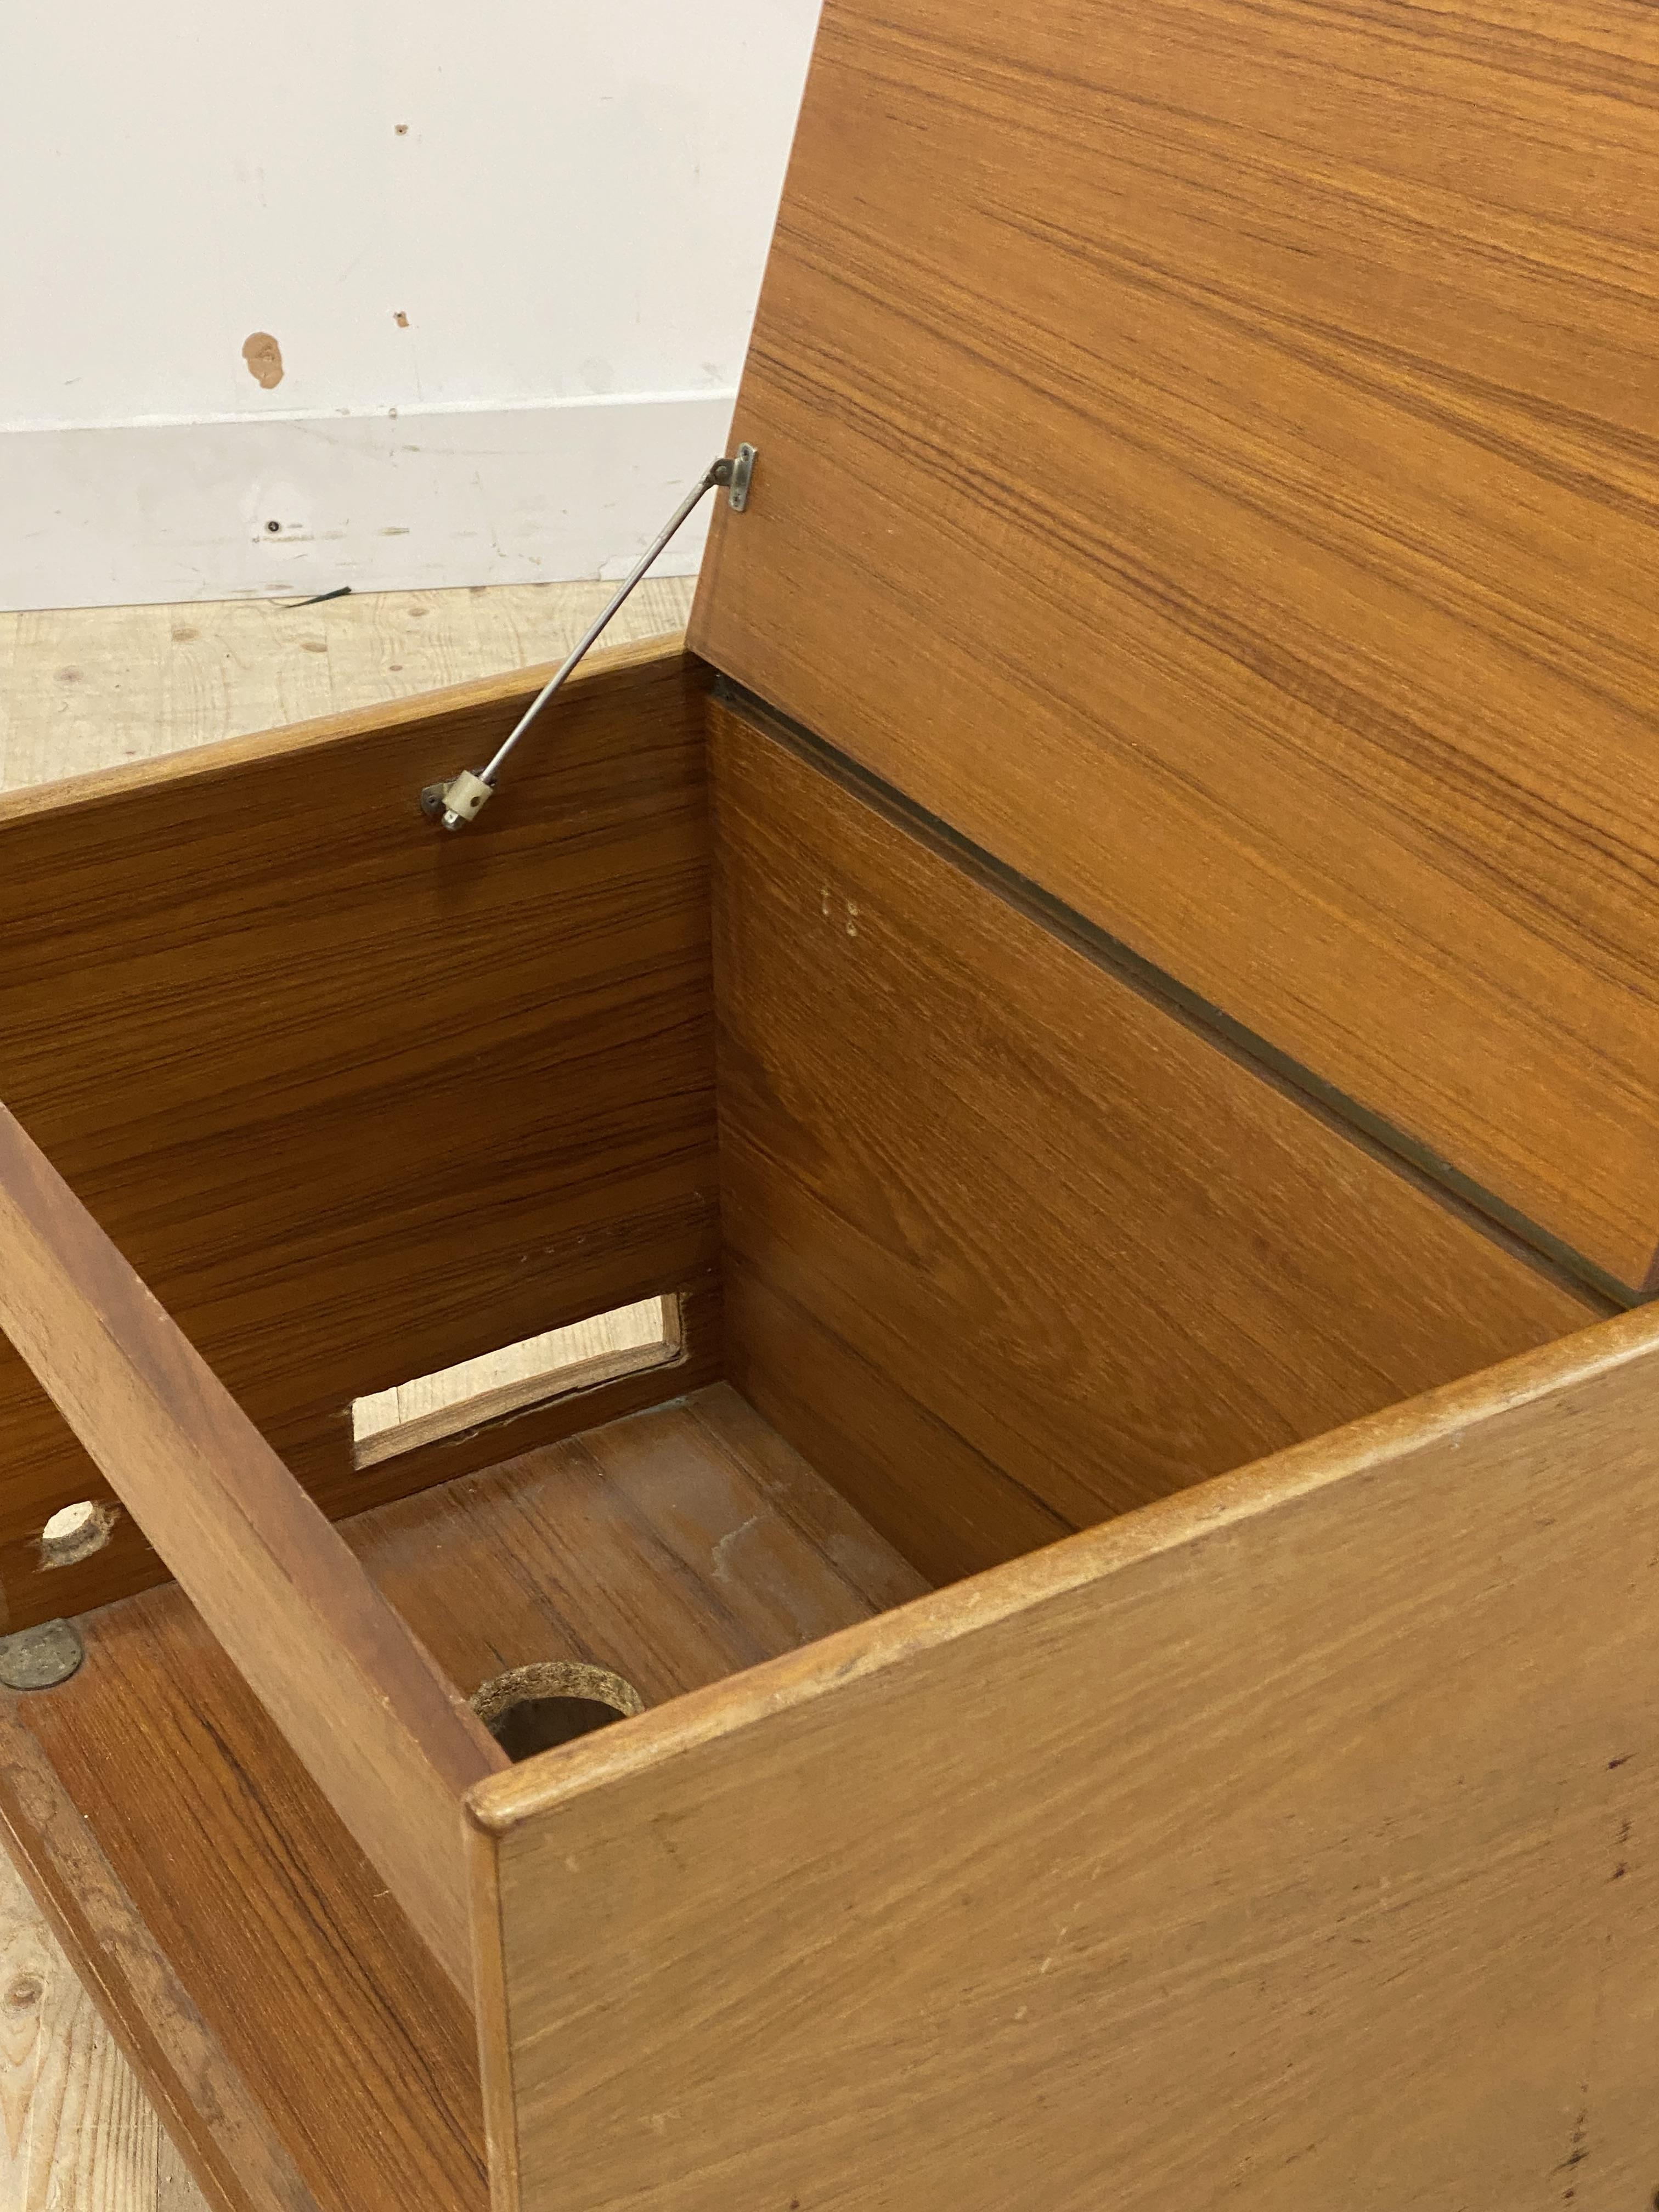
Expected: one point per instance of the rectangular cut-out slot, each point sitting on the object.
(626, 1341)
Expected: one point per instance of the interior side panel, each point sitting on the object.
(359, 1100)
(1009, 1246)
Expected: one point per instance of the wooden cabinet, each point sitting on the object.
(1110, 995)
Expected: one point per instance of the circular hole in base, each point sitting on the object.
(534, 1709)
(76, 1532)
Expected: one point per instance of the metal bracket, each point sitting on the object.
(737, 473)
(464, 797)
(466, 794)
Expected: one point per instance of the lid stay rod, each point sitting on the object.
(464, 797)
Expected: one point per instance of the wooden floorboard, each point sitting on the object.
(89, 688)
(674, 1547)
(77, 2134)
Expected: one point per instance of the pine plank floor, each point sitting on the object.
(86, 687)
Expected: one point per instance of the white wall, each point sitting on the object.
(573, 220)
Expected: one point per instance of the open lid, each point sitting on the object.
(1209, 454)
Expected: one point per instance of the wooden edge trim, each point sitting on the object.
(496, 2039)
(517, 685)
(501, 1802)
(238, 2161)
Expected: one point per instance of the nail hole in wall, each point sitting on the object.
(534, 1709)
(264, 357)
(629, 1340)
(76, 1532)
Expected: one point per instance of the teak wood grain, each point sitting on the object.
(675, 1547)
(1209, 455)
(391, 1742)
(1009, 1246)
(1289, 1845)
(358, 1100)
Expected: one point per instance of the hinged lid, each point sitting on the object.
(1210, 457)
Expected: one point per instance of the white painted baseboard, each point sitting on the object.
(136, 513)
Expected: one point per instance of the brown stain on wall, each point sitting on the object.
(264, 357)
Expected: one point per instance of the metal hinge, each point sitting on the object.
(464, 797)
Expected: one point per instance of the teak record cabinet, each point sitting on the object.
(1114, 983)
